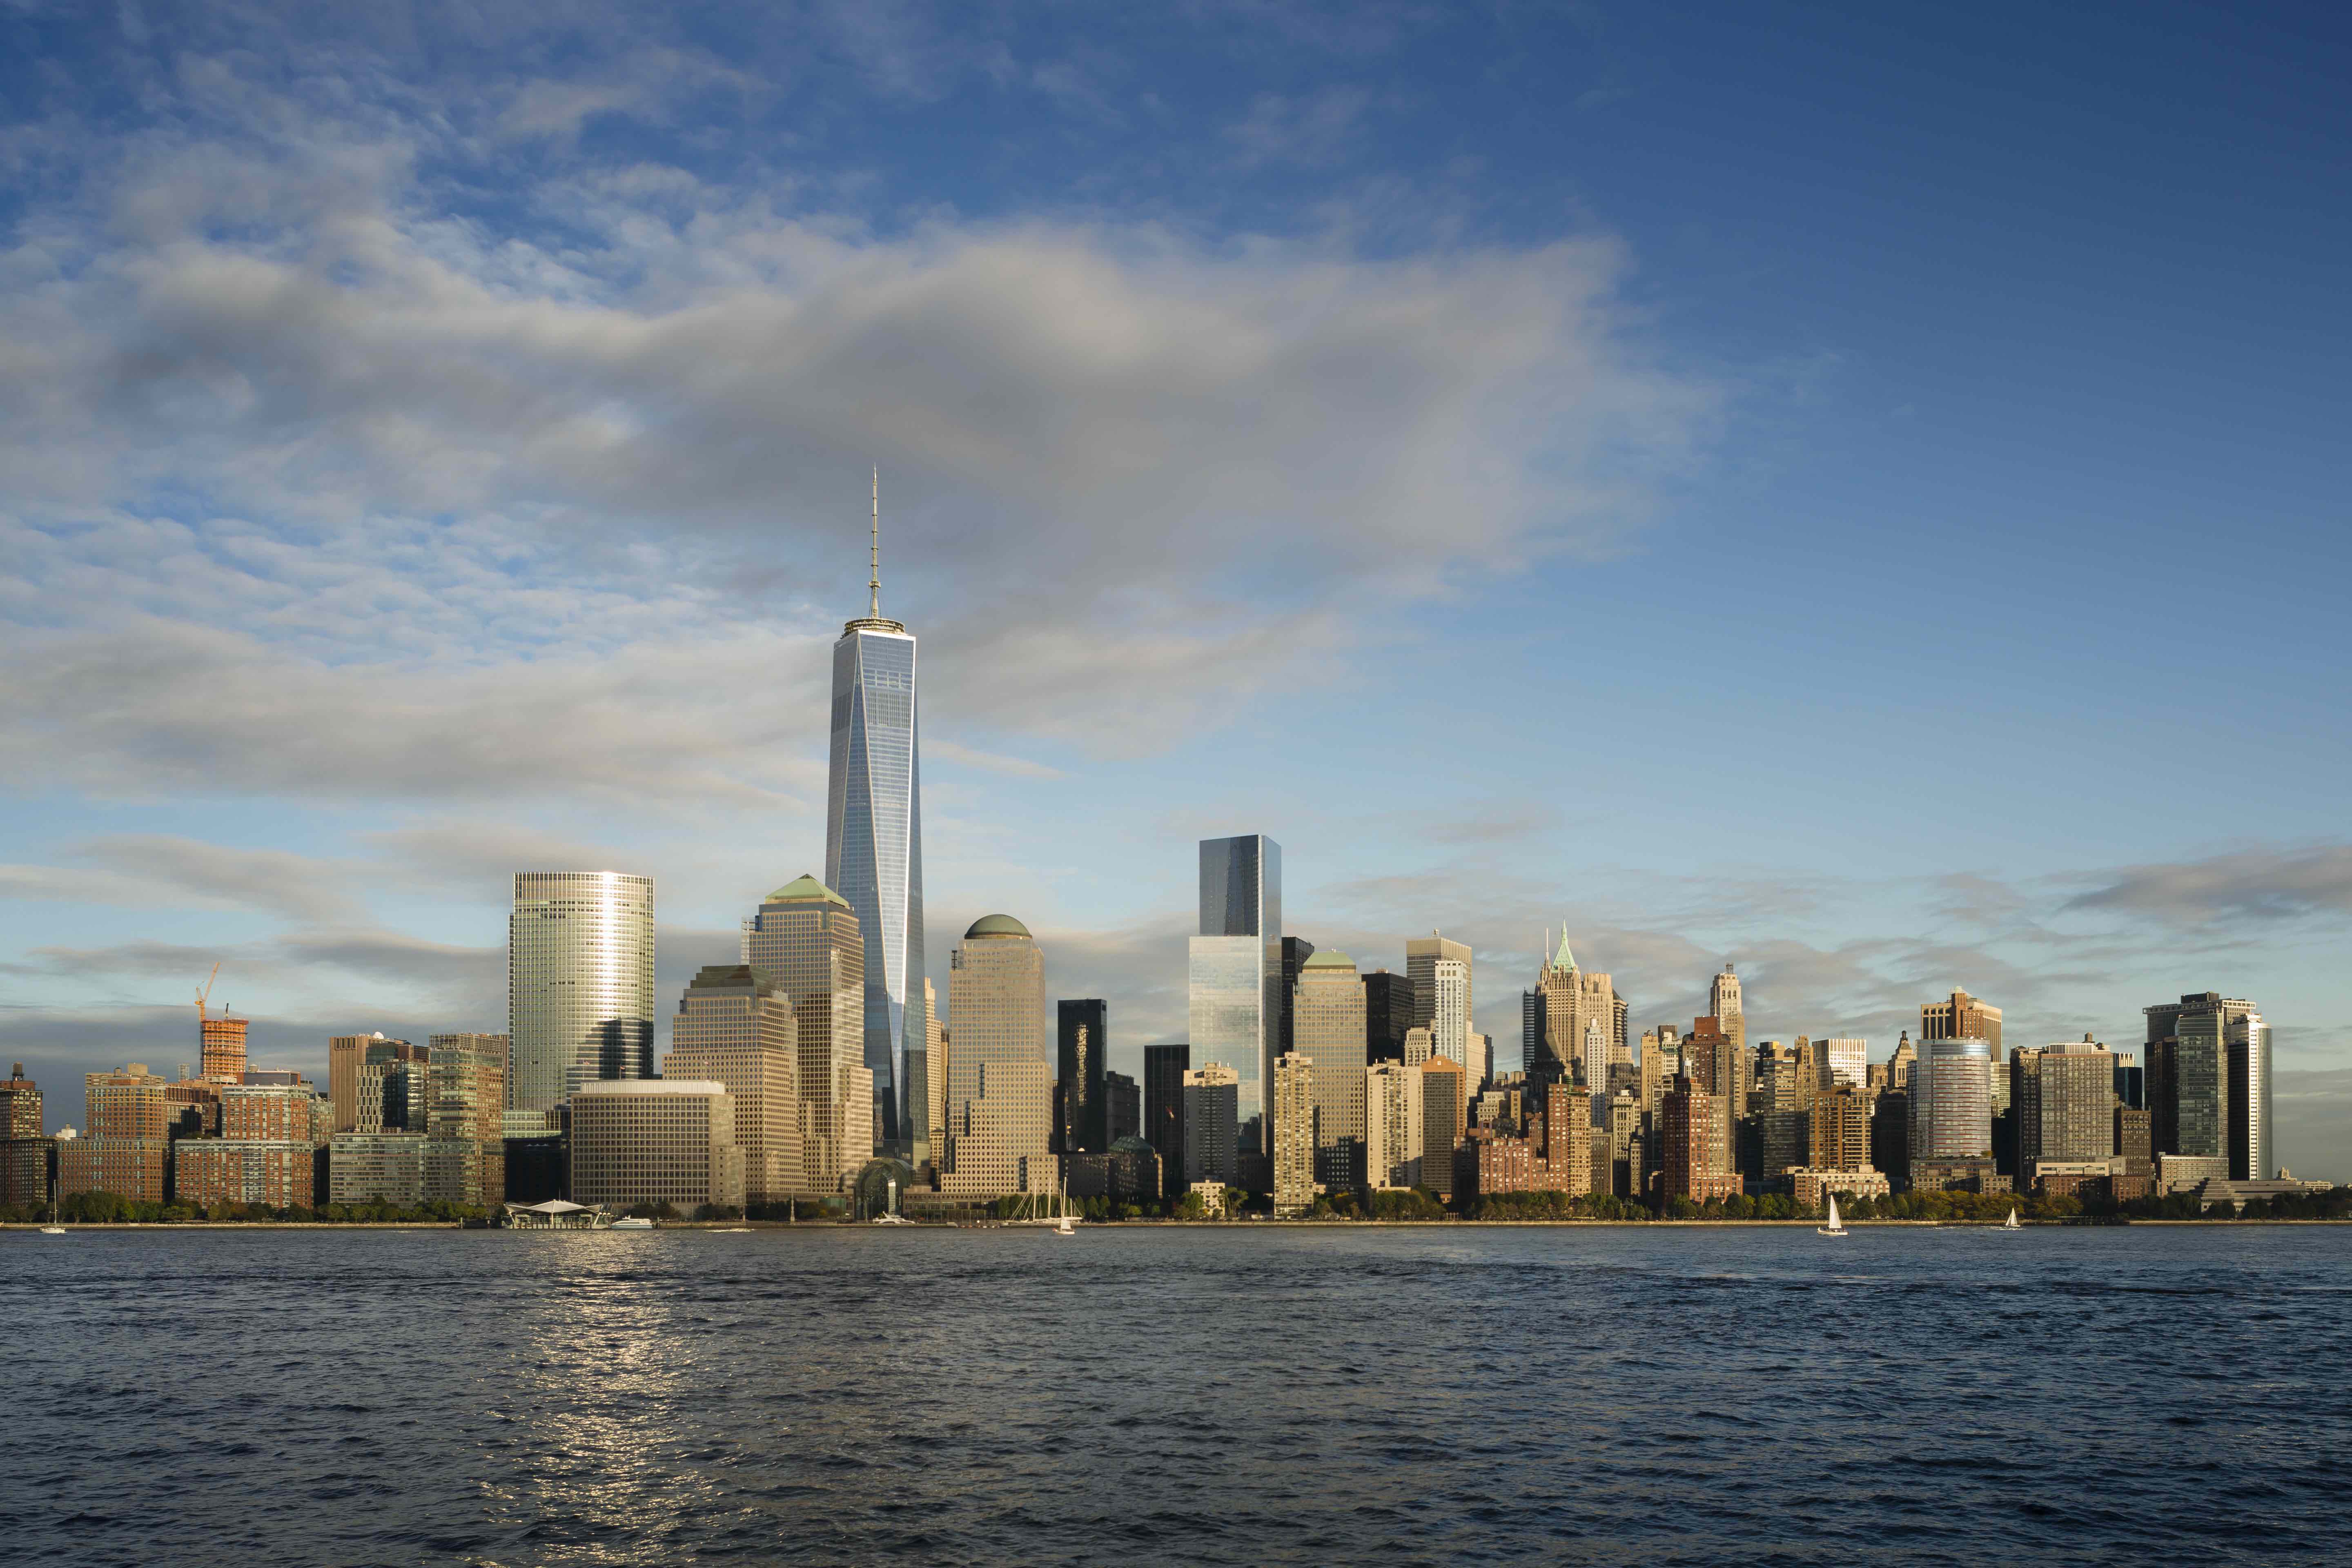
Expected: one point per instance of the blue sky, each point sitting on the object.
(1857, 494)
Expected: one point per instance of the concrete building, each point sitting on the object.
(806, 939)
(26, 1149)
(735, 1027)
(2063, 1098)
(1963, 1017)
(1293, 1133)
(1164, 1070)
(1235, 975)
(1812, 1187)
(1212, 1101)
(1710, 1055)
(999, 1131)
(125, 1145)
(20, 1106)
(1326, 1010)
(579, 983)
(1731, 1015)
(1842, 1061)
(1393, 1146)
(667, 1140)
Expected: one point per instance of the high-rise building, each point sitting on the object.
(221, 1047)
(579, 983)
(1581, 1033)
(20, 1106)
(1387, 1014)
(1122, 1106)
(1711, 1057)
(1951, 1100)
(345, 1055)
(466, 1089)
(1083, 1044)
(667, 1140)
(1442, 999)
(1328, 1024)
(26, 1149)
(806, 939)
(999, 1132)
(874, 836)
(1212, 1124)
(1294, 1134)
(935, 1081)
(393, 1092)
(735, 1027)
(1688, 1157)
(1445, 1104)
(2208, 1082)
(1164, 1070)
(1842, 1061)
(1962, 1016)
(1840, 1129)
(1295, 951)
(1731, 1015)
(125, 1146)
(2064, 1100)
(1235, 971)
(1899, 1065)
(1393, 1111)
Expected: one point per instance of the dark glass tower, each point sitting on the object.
(874, 839)
(1235, 980)
(1084, 1038)
(1164, 1068)
(1387, 1014)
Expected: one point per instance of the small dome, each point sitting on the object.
(995, 925)
(1329, 958)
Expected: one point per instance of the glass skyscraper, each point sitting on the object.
(1235, 980)
(579, 983)
(874, 839)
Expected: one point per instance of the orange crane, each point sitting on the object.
(205, 996)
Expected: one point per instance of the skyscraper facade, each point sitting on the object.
(1000, 1087)
(1580, 1021)
(735, 1028)
(1731, 1015)
(806, 939)
(874, 836)
(1212, 1124)
(466, 1081)
(1387, 1014)
(1295, 951)
(1951, 1100)
(579, 983)
(1328, 1024)
(1082, 1040)
(2208, 1082)
(221, 1047)
(1392, 1113)
(1234, 983)
(1164, 1068)
(1294, 1135)
(1962, 1016)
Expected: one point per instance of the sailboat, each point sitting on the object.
(1833, 1227)
(2010, 1223)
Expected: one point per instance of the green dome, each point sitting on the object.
(1329, 958)
(995, 925)
(800, 889)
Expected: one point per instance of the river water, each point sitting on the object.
(1298, 1394)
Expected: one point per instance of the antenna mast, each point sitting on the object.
(873, 584)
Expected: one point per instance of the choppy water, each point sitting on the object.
(1564, 1395)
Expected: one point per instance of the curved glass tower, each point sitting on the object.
(874, 838)
(579, 983)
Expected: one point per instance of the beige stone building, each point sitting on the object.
(655, 1141)
(1393, 1149)
(1582, 1031)
(735, 1026)
(1000, 1103)
(806, 939)
(1294, 1134)
(1327, 1028)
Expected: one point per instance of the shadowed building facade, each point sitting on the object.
(1164, 1070)
(1082, 1041)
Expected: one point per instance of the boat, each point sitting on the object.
(2010, 1223)
(1065, 1227)
(631, 1221)
(1833, 1227)
(53, 1230)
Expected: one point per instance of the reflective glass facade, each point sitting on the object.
(874, 846)
(579, 983)
(1237, 993)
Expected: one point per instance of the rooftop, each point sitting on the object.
(996, 925)
(805, 888)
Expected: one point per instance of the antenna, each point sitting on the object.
(873, 584)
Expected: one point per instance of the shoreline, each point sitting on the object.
(1268, 1226)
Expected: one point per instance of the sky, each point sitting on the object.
(1857, 493)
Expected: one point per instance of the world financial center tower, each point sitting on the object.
(874, 838)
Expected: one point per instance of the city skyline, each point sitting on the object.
(1351, 489)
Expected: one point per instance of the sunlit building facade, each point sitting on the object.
(1326, 1010)
(579, 983)
(1234, 979)
(734, 1027)
(807, 939)
(670, 1141)
(1000, 1119)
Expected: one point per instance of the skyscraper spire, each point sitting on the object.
(873, 584)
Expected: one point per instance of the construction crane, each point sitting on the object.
(205, 996)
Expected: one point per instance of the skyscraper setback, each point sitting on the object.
(874, 836)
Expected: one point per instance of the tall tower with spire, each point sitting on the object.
(874, 839)
(1570, 1000)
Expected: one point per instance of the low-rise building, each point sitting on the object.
(1813, 1185)
(278, 1173)
(405, 1170)
(656, 1141)
(1976, 1175)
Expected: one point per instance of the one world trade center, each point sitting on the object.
(874, 839)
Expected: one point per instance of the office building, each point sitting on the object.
(1294, 1134)
(1445, 1102)
(1688, 1150)
(1951, 1100)
(125, 1144)
(1295, 951)
(1392, 1141)
(579, 983)
(874, 839)
(1164, 1070)
(1899, 1065)
(1962, 1016)
(1212, 1124)
(1000, 1132)
(1442, 1001)
(1842, 1061)
(931, 1128)
(735, 1027)
(1731, 1015)
(394, 1090)
(1123, 1106)
(1234, 982)
(346, 1054)
(2063, 1100)
(806, 939)
(669, 1141)
(2131, 1080)
(2208, 1083)
(1387, 1014)
(1082, 1047)
(1581, 1032)
(466, 1095)
(1785, 1142)
(1328, 1023)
